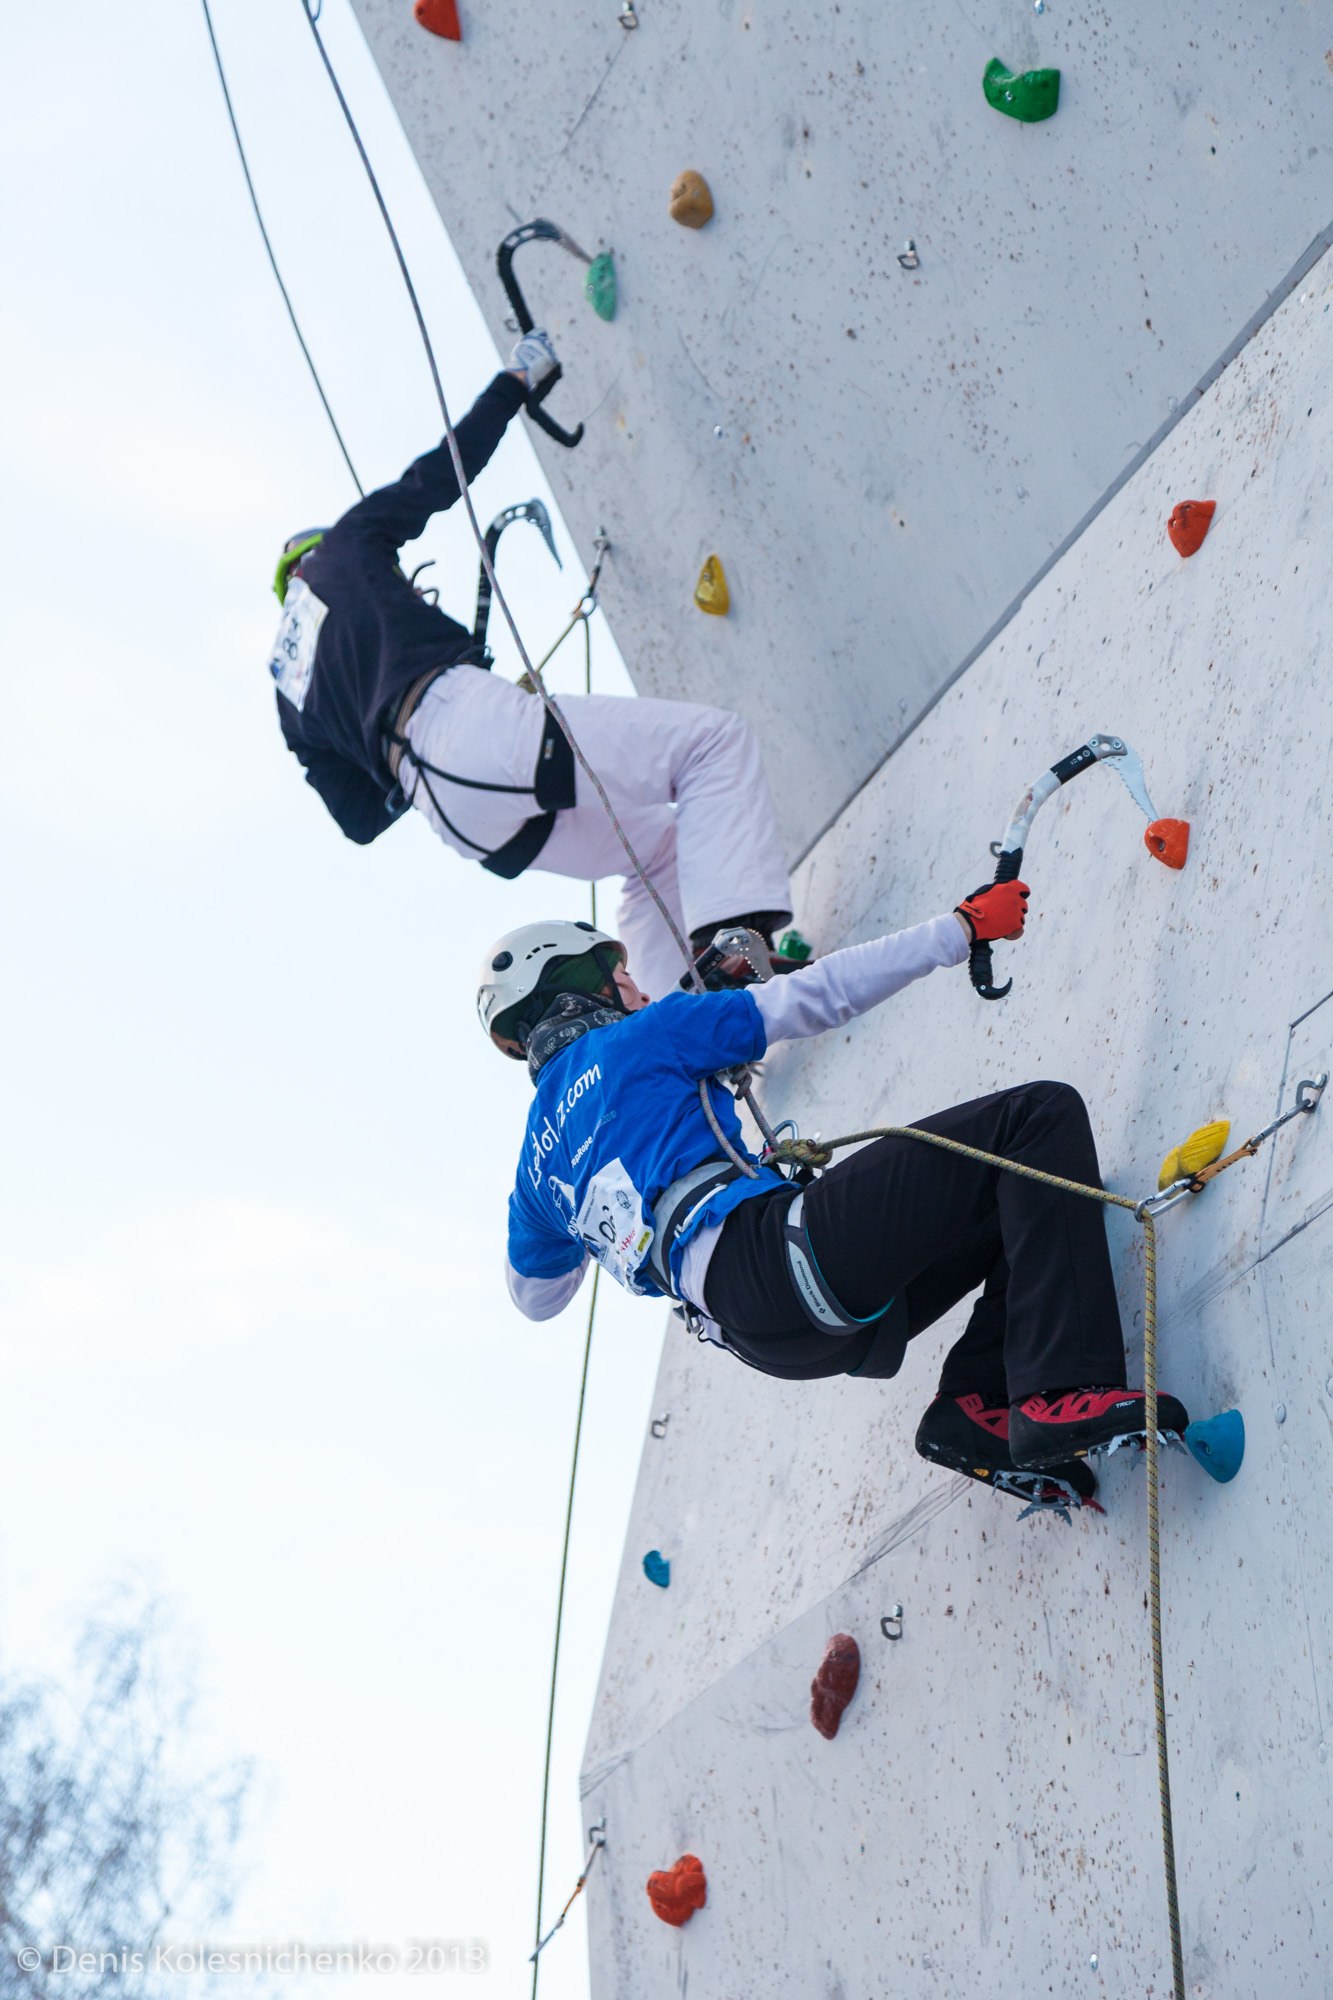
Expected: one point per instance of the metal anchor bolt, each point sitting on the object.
(658, 1426)
(908, 256)
(893, 1616)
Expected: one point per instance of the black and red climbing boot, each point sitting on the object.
(970, 1435)
(1048, 1430)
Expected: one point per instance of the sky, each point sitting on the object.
(255, 1350)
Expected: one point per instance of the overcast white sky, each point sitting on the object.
(253, 1341)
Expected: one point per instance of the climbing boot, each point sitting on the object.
(1050, 1429)
(971, 1435)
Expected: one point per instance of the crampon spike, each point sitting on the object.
(1217, 1444)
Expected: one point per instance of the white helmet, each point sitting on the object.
(526, 964)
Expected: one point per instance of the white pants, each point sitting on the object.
(687, 784)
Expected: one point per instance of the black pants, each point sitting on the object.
(909, 1222)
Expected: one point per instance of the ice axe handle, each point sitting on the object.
(979, 966)
(548, 424)
(528, 232)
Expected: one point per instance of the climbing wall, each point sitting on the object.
(940, 496)
(986, 1818)
(883, 459)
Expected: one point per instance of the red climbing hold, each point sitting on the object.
(1168, 840)
(441, 17)
(1189, 523)
(835, 1683)
(676, 1893)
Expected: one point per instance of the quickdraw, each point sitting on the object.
(1009, 850)
(539, 230)
(524, 510)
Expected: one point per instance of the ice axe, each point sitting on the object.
(1099, 749)
(539, 230)
(523, 510)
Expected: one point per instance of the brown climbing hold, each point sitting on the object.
(1189, 523)
(691, 200)
(441, 17)
(676, 1893)
(1168, 840)
(710, 592)
(835, 1683)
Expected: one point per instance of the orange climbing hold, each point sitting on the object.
(1168, 840)
(835, 1683)
(710, 592)
(441, 17)
(1189, 523)
(691, 200)
(676, 1893)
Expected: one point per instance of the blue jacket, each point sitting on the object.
(377, 635)
(615, 1119)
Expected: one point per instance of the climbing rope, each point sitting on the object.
(583, 611)
(555, 1650)
(259, 218)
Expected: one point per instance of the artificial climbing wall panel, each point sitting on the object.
(987, 1818)
(883, 459)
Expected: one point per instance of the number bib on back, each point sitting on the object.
(293, 659)
(611, 1223)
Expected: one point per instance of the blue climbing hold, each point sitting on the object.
(657, 1569)
(1217, 1444)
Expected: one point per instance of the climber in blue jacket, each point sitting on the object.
(619, 1163)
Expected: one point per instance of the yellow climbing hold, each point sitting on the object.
(710, 592)
(691, 200)
(1198, 1151)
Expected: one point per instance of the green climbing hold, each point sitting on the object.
(1030, 96)
(793, 946)
(599, 287)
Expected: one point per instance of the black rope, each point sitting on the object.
(259, 218)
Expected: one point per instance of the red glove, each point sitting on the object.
(996, 910)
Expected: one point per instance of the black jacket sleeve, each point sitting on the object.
(396, 514)
(354, 798)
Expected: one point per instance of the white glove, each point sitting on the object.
(534, 359)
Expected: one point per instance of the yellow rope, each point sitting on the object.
(815, 1153)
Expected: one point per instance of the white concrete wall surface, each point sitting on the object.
(970, 467)
(901, 452)
(987, 1817)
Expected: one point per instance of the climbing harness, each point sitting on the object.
(525, 510)
(1199, 1438)
(537, 231)
(812, 1287)
(1009, 850)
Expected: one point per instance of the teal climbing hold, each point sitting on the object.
(1217, 1444)
(657, 1569)
(599, 287)
(1029, 96)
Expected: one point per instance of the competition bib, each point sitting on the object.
(293, 659)
(611, 1224)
